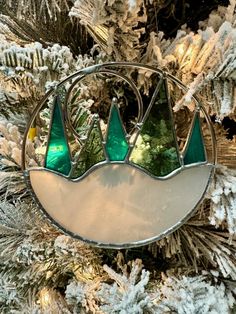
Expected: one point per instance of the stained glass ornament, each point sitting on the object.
(58, 155)
(116, 143)
(195, 150)
(124, 189)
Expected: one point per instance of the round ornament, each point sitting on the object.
(113, 168)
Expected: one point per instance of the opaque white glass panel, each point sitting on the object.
(117, 203)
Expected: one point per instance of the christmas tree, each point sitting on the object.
(42, 270)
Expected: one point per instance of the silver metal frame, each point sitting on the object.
(105, 68)
(96, 68)
(106, 71)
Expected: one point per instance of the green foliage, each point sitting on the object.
(79, 114)
(91, 153)
(156, 154)
(156, 148)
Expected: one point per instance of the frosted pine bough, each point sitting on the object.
(37, 254)
(203, 59)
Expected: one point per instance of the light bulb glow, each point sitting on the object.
(45, 298)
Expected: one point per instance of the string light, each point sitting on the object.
(45, 298)
(180, 50)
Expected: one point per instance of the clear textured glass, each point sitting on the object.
(195, 151)
(58, 155)
(156, 148)
(91, 153)
(116, 144)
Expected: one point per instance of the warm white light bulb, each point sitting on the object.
(180, 50)
(44, 297)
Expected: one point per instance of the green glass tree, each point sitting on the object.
(58, 154)
(116, 144)
(156, 147)
(195, 151)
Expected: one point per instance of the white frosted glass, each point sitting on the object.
(117, 203)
